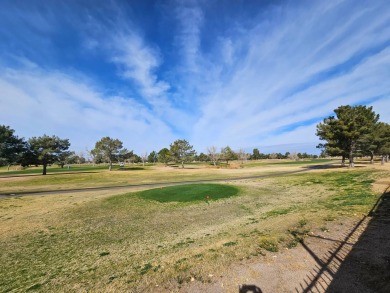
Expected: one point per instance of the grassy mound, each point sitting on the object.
(189, 193)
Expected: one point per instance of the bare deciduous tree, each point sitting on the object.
(144, 158)
(242, 155)
(213, 154)
(293, 156)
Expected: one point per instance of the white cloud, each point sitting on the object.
(54, 103)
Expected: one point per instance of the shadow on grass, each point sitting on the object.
(47, 174)
(330, 166)
(131, 169)
(376, 162)
(358, 263)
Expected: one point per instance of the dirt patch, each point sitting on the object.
(313, 266)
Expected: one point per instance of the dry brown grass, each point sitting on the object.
(102, 242)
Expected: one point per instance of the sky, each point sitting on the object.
(248, 74)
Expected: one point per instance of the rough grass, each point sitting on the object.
(276, 162)
(107, 242)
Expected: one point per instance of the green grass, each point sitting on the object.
(189, 193)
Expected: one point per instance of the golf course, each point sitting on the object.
(157, 228)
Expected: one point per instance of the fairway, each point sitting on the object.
(189, 193)
(97, 176)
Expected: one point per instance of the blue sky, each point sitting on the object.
(240, 73)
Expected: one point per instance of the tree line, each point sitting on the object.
(354, 131)
(46, 150)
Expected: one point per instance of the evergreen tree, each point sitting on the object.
(164, 156)
(343, 132)
(11, 146)
(109, 148)
(181, 151)
(47, 150)
(228, 154)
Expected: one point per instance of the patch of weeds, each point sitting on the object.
(299, 233)
(329, 218)
(146, 268)
(324, 229)
(212, 250)
(302, 223)
(182, 265)
(104, 253)
(156, 268)
(257, 253)
(181, 260)
(243, 235)
(269, 244)
(112, 278)
(291, 244)
(231, 243)
(245, 208)
(180, 279)
(199, 255)
(277, 212)
(184, 243)
(253, 221)
(180, 244)
(256, 232)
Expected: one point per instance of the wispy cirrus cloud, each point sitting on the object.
(138, 62)
(190, 20)
(284, 80)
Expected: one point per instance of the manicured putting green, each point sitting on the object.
(189, 193)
